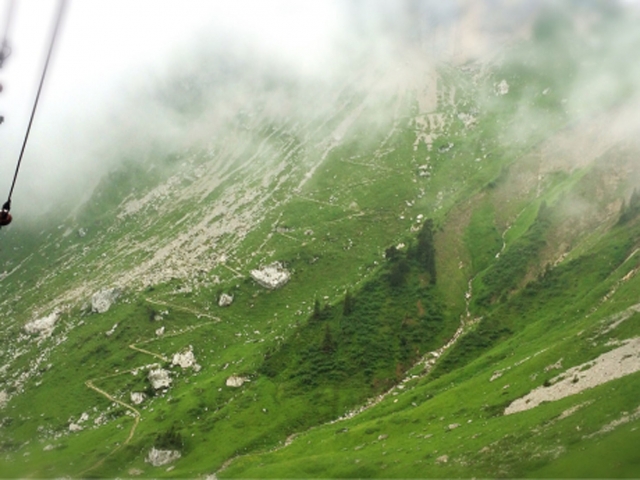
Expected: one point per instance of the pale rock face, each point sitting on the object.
(160, 331)
(101, 301)
(184, 359)
(100, 420)
(225, 300)
(137, 397)
(235, 381)
(157, 458)
(502, 88)
(43, 326)
(74, 427)
(159, 378)
(272, 276)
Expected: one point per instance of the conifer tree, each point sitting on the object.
(349, 303)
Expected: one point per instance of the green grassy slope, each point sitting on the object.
(441, 269)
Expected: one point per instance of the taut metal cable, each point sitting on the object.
(61, 8)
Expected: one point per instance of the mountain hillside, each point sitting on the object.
(423, 265)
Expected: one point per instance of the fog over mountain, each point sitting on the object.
(322, 239)
(112, 56)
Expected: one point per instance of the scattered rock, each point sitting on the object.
(442, 459)
(82, 232)
(100, 419)
(157, 458)
(609, 427)
(502, 88)
(272, 276)
(235, 381)
(134, 472)
(43, 326)
(446, 148)
(225, 300)
(74, 427)
(113, 329)
(184, 359)
(554, 366)
(102, 300)
(453, 426)
(467, 119)
(384, 436)
(160, 332)
(570, 411)
(613, 364)
(137, 397)
(159, 378)
(4, 398)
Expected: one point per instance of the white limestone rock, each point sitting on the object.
(272, 276)
(44, 326)
(235, 381)
(157, 458)
(225, 300)
(160, 331)
(184, 359)
(137, 397)
(4, 399)
(100, 420)
(102, 300)
(502, 88)
(74, 427)
(159, 378)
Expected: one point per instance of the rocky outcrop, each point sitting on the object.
(185, 359)
(272, 276)
(44, 326)
(77, 426)
(502, 88)
(225, 300)
(235, 381)
(159, 378)
(102, 300)
(157, 458)
(137, 397)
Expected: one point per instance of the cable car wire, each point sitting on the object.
(61, 8)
